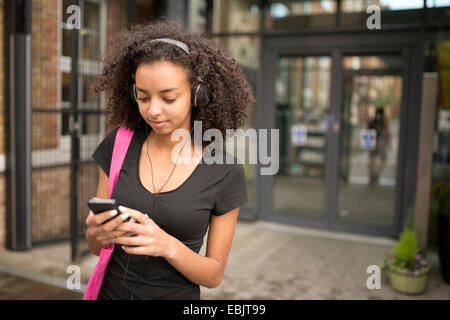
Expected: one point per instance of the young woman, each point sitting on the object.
(175, 77)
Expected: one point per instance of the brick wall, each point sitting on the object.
(51, 187)
(50, 202)
(44, 72)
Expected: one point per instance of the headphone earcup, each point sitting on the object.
(200, 96)
(133, 93)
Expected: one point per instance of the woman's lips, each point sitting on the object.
(157, 123)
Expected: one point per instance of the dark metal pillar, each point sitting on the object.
(18, 123)
(75, 142)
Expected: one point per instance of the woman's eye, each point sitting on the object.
(143, 99)
(170, 100)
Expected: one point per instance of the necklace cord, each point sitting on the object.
(154, 203)
(151, 165)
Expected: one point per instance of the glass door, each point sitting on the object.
(369, 139)
(346, 157)
(302, 103)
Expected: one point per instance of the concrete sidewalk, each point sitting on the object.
(267, 261)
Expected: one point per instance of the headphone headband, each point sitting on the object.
(183, 46)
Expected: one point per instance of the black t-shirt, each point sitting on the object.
(184, 213)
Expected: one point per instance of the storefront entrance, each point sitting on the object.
(341, 104)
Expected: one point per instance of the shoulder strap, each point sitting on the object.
(121, 144)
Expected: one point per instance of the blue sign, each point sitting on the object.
(368, 139)
(299, 135)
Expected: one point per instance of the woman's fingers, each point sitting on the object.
(137, 215)
(133, 228)
(97, 219)
(116, 234)
(132, 241)
(114, 223)
(108, 229)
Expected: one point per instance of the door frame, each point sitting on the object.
(409, 44)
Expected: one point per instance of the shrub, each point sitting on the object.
(407, 252)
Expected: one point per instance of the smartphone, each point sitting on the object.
(101, 205)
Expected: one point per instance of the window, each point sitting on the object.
(91, 37)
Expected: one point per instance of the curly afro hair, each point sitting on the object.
(208, 64)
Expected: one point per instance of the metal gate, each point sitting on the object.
(67, 124)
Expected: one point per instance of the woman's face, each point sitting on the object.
(164, 96)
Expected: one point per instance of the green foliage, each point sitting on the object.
(407, 247)
(406, 251)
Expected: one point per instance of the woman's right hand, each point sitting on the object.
(103, 232)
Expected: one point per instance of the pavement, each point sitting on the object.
(267, 261)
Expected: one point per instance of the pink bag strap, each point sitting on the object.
(121, 144)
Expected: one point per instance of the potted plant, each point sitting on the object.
(441, 197)
(408, 268)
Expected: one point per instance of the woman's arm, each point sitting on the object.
(206, 270)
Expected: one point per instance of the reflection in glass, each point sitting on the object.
(197, 16)
(302, 107)
(284, 8)
(370, 126)
(291, 14)
(66, 42)
(65, 82)
(91, 48)
(361, 5)
(235, 15)
(91, 99)
(90, 124)
(91, 15)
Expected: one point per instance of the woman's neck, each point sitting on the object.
(163, 145)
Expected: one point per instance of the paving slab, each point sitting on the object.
(267, 261)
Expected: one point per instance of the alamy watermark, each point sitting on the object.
(74, 20)
(258, 148)
(373, 281)
(374, 20)
(73, 281)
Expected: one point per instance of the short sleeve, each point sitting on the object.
(103, 154)
(232, 192)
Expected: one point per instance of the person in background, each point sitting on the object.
(378, 155)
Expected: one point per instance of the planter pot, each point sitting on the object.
(444, 246)
(408, 282)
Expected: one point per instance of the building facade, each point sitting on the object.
(341, 81)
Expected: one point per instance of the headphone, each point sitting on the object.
(199, 95)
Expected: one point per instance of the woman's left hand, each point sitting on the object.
(150, 239)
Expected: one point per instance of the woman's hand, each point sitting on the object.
(150, 239)
(103, 232)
